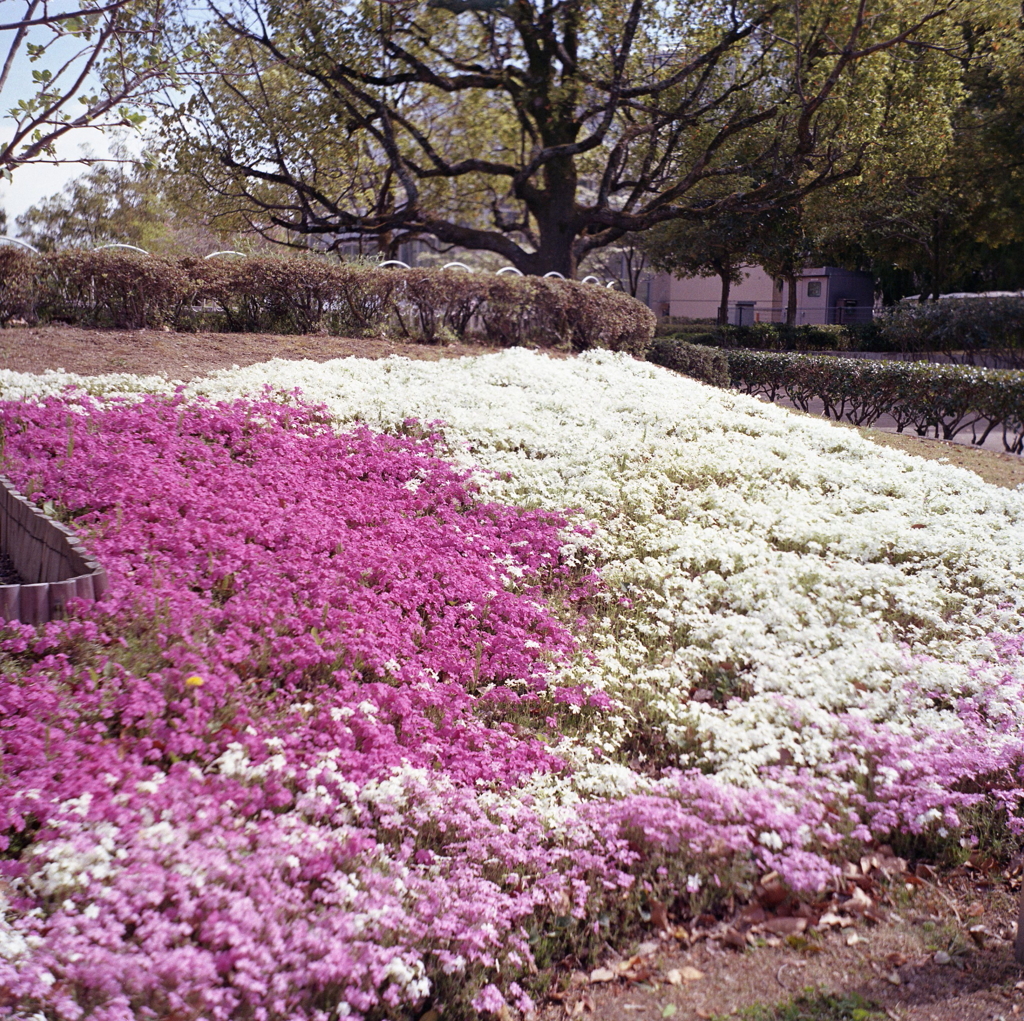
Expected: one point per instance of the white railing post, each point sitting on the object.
(16, 241)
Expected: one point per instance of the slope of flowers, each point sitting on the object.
(774, 575)
(359, 731)
(323, 609)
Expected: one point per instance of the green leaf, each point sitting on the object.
(669, 1010)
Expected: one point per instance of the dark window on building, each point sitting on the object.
(813, 288)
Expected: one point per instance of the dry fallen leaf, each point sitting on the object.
(771, 894)
(752, 914)
(859, 901)
(786, 926)
(659, 914)
(602, 975)
(980, 862)
(830, 918)
(891, 865)
(677, 976)
(624, 966)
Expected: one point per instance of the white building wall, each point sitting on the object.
(822, 296)
(699, 297)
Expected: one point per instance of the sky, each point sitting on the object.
(38, 181)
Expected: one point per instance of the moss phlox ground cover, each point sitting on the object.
(378, 707)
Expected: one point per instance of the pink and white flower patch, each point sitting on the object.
(370, 713)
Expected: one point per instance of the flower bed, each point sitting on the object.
(401, 693)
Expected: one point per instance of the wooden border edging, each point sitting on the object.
(50, 558)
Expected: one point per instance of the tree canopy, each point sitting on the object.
(958, 223)
(90, 64)
(715, 247)
(543, 131)
(127, 203)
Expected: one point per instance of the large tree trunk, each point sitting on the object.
(555, 255)
(554, 211)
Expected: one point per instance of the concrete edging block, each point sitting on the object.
(49, 557)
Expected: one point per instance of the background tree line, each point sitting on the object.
(696, 136)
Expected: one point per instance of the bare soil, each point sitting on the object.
(892, 961)
(911, 956)
(187, 355)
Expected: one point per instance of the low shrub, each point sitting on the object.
(938, 400)
(510, 317)
(112, 288)
(437, 306)
(704, 363)
(777, 336)
(597, 317)
(115, 288)
(17, 284)
(962, 329)
(673, 328)
(295, 295)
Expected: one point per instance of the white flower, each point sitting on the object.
(769, 558)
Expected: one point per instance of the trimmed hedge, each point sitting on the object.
(114, 288)
(963, 329)
(704, 363)
(780, 337)
(17, 284)
(111, 288)
(937, 400)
